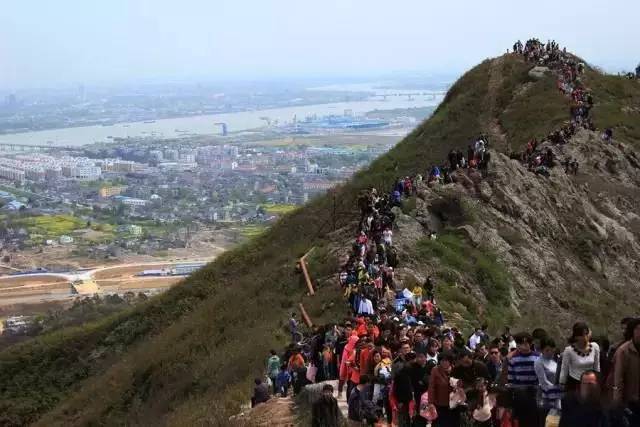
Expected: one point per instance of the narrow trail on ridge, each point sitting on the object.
(277, 412)
(494, 129)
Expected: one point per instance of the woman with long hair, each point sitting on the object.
(581, 355)
(482, 407)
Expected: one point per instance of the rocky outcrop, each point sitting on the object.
(539, 72)
(569, 241)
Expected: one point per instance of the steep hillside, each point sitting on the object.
(512, 244)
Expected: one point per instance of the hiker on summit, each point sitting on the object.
(517, 47)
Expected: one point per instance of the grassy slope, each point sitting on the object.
(188, 356)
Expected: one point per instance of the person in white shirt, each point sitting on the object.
(582, 355)
(482, 407)
(546, 368)
(387, 236)
(475, 339)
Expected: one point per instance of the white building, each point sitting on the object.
(82, 172)
(13, 174)
(130, 201)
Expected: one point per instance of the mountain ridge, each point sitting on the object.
(165, 362)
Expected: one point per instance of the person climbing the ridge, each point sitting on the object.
(387, 237)
(396, 198)
(260, 393)
(273, 368)
(293, 327)
(283, 381)
(429, 284)
(471, 156)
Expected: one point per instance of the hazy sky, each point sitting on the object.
(45, 43)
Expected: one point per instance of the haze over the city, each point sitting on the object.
(49, 44)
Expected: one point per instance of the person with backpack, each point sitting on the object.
(273, 368)
(283, 381)
(360, 403)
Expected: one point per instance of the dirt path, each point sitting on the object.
(497, 135)
(277, 412)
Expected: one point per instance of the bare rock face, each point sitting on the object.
(538, 72)
(408, 230)
(571, 242)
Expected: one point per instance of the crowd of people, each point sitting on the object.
(632, 76)
(397, 361)
(569, 73)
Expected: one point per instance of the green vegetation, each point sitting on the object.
(205, 340)
(409, 205)
(188, 356)
(454, 209)
(16, 191)
(616, 105)
(252, 230)
(50, 226)
(455, 253)
(278, 209)
(540, 110)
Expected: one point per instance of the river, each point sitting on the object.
(205, 125)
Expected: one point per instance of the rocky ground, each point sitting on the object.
(556, 235)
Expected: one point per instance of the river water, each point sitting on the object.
(206, 124)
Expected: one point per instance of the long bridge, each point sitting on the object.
(410, 96)
(28, 147)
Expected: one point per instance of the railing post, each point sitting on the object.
(303, 266)
(305, 316)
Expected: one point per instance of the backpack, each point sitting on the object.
(369, 411)
(361, 408)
